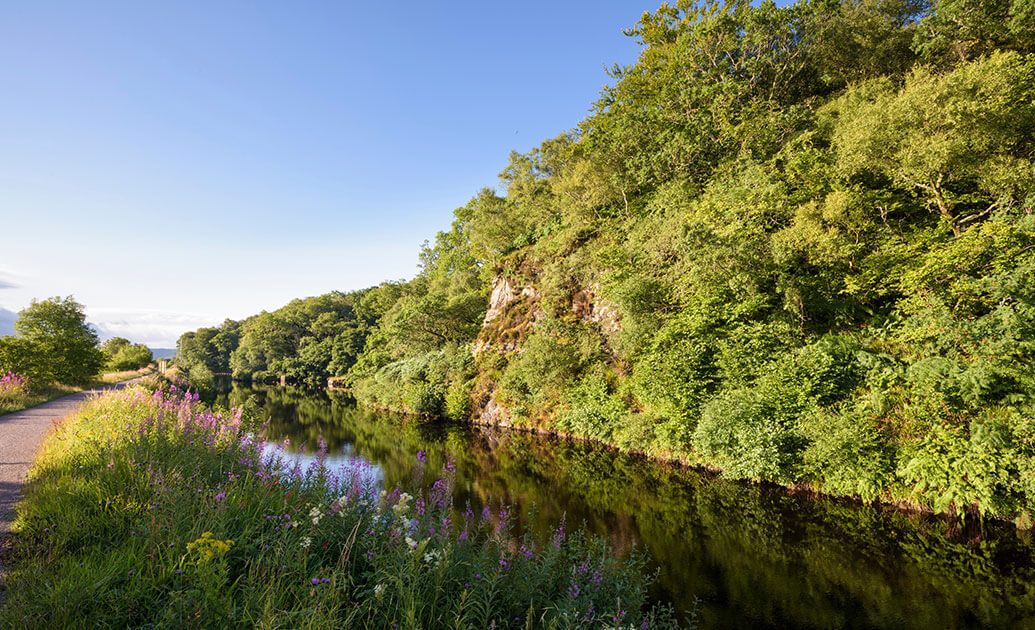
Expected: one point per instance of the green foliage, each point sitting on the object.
(120, 354)
(434, 383)
(846, 453)
(957, 30)
(201, 379)
(955, 470)
(457, 403)
(426, 398)
(948, 136)
(593, 409)
(676, 373)
(758, 431)
(53, 343)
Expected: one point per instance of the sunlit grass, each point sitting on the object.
(41, 393)
(148, 509)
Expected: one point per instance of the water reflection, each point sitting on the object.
(755, 557)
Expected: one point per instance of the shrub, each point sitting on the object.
(547, 363)
(754, 434)
(958, 384)
(458, 400)
(677, 371)
(201, 379)
(847, 453)
(593, 410)
(425, 398)
(638, 432)
(757, 432)
(953, 470)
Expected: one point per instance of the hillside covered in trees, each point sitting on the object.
(793, 243)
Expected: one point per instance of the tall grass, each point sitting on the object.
(146, 509)
(18, 392)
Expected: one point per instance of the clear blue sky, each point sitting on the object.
(172, 164)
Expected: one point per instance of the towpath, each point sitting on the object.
(21, 433)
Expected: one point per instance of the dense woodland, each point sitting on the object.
(793, 243)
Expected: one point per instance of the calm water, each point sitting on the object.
(751, 556)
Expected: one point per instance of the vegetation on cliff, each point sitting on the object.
(795, 243)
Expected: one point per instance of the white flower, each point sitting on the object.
(433, 556)
(411, 543)
(306, 542)
(379, 591)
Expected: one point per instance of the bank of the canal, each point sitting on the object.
(747, 556)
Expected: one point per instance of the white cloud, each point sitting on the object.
(154, 328)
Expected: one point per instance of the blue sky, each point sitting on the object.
(171, 165)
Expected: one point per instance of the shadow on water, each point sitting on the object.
(754, 556)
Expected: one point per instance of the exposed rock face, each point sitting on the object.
(502, 295)
(588, 306)
(512, 314)
(494, 414)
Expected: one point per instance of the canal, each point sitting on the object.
(743, 555)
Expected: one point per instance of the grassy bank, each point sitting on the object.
(148, 509)
(18, 398)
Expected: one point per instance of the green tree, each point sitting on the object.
(57, 331)
(962, 139)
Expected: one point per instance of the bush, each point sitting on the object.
(847, 453)
(638, 432)
(754, 434)
(425, 398)
(547, 364)
(201, 379)
(458, 400)
(959, 385)
(954, 470)
(677, 372)
(757, 432)
(593, 410)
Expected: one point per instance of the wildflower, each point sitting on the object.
(315, 514)
(306, 542)
(208, 548)
(379, 591)
(433, 557)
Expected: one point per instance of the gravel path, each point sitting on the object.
(21, 433)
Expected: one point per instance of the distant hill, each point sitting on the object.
(7, 321)
(164, 353)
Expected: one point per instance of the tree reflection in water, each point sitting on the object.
(753, 556)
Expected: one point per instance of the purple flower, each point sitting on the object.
(314, 581)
